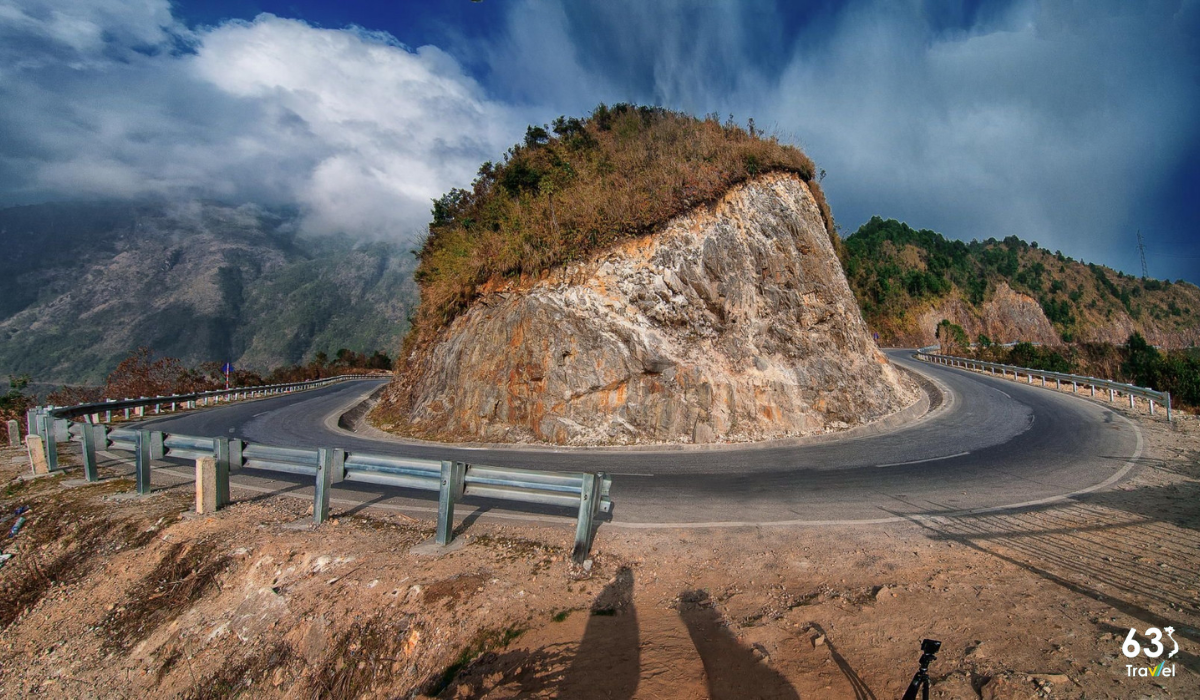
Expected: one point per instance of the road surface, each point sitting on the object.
(991, 444)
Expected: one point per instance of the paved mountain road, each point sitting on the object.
(992, 443)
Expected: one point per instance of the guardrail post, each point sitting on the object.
(451, 490)
(1112, 394)
(142, 461)
(1131, 404)
(321, 493)
(157, 449)
(221, 471)
(235, 455)
(89, 453)
(37, 454)
(14, 433)
(339, 466)
(208, 490)
(46, 430)
(589, 506)
(1151, 406)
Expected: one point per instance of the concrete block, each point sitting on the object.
(37, 454)
(14, 433)
(206, 485)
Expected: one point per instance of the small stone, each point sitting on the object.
(818, 641)
(587, 565)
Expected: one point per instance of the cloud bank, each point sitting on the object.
(1053, 122)
(1060, 123)
(113, 100)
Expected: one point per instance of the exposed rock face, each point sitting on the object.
(1008, 316)
(733, 323)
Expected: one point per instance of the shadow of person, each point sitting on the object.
(861, 690)
(608, 662)
(733, 671)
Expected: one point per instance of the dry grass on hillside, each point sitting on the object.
(579, 187)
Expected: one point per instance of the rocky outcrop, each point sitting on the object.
(1008, 316)
(733, 323)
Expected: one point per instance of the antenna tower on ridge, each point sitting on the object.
(1142, 252)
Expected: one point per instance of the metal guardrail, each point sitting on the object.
(1076, 381)
(44, 420)
(587, 492)
(202, 398)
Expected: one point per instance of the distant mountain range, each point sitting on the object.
(81, 285)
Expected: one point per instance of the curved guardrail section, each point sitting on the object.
(451, 480)
(1114, 388)
(45, 421)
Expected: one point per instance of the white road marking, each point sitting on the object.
(256, 415)
(922, 461)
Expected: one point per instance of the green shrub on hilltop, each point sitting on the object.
(898, 272)
(577, 186)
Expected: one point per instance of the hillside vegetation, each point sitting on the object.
(900, 275)
(577, 186)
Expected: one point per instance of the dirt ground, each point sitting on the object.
(113, 596)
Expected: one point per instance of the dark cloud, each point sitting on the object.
(1059, 123)
(1071, 124)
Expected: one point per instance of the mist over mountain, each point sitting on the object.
(82, 284)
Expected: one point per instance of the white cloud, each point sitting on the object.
(1048, 122)
(359, 130)
(1054, 123)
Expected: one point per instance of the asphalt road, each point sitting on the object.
(991, 444)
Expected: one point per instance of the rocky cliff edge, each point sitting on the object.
(733, 323)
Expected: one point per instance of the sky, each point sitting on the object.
(1069, 123)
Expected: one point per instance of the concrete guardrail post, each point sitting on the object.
(208, 499)
(1151, 406)
(89, 452)
(589, 507)
(451, 490)
(46, 431)
(321, 493)
(1112, 395)
(141, 449)
(37, 454)
(14, 433)
(1131, 404)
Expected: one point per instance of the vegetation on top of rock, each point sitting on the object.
(896, 272)
(578, 186)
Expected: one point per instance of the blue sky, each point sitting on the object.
(1072, 124)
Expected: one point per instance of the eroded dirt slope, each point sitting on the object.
(120, 597)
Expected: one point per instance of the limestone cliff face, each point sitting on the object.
(733, 323)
